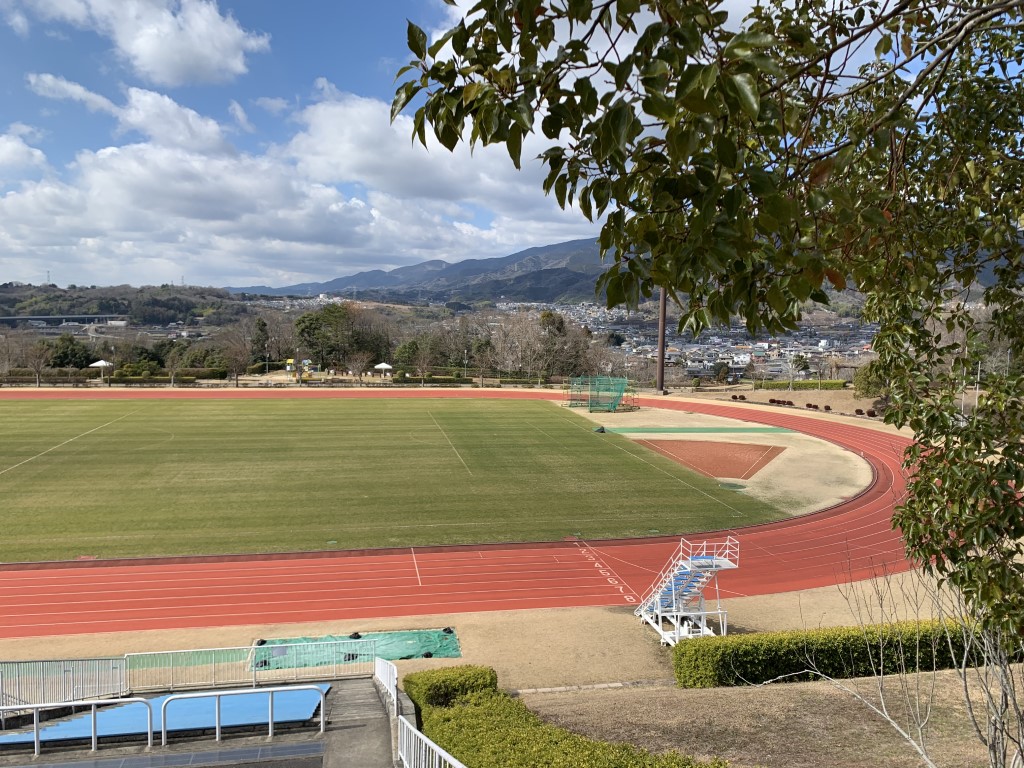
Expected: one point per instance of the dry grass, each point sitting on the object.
(791, 725)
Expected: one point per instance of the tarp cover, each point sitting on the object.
(407, 644)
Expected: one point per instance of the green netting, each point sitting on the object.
(606, 393)
(579, 389)
(332, 649)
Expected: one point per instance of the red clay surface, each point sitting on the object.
(714, 459)
(850, 541)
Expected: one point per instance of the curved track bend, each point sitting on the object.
(850, 541)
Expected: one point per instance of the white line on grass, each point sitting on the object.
(736, 512)
(69, 440)
(450, 443)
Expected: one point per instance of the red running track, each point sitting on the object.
(850, 541)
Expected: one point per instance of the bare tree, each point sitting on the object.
(357, 363)
(35, 353)
(174, 360)
(235, 346)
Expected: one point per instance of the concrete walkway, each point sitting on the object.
(359, 732)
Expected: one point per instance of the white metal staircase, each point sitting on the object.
(675, 605)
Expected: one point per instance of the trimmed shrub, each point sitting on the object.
(859, 411)
(828, 407)
(840, 652)
(464, 713)
(871, 414)
(440, 687)
(802, 384)
(492, 730)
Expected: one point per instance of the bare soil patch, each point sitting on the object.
(740, 461)
(808, 475)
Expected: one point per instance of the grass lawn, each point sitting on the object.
(162, 477)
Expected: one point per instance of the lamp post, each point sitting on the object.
(465, 362)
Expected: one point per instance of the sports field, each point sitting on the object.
(164, 477)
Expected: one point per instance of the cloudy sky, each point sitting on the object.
(235, 142)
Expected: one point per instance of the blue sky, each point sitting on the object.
(235, 142)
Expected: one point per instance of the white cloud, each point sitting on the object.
(167, 42)
(54, 87)
(16, 154)
(348, 191)
(169, 124)
(274, 106)
(17, 21)
(154, 115)
(238, 113)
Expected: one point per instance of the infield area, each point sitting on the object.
(122, 478)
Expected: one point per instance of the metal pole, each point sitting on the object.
(216, 714)
(94, 736)
(270, 716)
(659, 384)
(35, 730)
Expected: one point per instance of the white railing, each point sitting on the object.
(39, 682)
(724, 554)
(417, 751)
(92, 703)
(386, 675)
(36, 682)
(218, 695)
(718, 554)
(249, 665)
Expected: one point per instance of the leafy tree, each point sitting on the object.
(260, 340)
(69, 352)
(748, 166)
(868, 381)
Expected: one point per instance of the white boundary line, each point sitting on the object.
(69, 440)
(450, 442)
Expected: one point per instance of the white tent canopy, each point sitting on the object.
(382, 367)
(101, 364)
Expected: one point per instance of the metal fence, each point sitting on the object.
(386, 675)
(40, 682)
(37, 682)
(417, 751)
(249, 665)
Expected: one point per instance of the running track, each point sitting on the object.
(851, 541)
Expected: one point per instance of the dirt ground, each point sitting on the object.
(808, 475)
(599, 671)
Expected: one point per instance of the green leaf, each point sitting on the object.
(402, 97)
(514, 143)
(746, 90)
(417, 40)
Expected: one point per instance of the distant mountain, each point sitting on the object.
(561, 272)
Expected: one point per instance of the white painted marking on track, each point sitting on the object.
(69, 440)
(415, 565)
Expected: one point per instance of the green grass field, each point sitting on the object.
(161, 477)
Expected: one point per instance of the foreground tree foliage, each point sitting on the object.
(746, 166)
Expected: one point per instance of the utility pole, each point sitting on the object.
(659, 383)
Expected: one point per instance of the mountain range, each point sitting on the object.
(564, 272)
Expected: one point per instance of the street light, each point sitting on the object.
(465, 362)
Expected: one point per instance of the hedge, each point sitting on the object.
(840, 652)
(802, 384)
(152, 381)
(464, 713)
